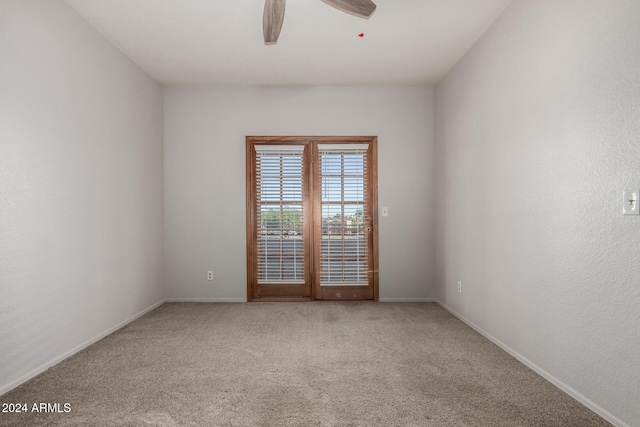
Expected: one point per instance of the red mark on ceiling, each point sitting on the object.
(361, 35)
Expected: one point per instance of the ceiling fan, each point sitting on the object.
(274, 14)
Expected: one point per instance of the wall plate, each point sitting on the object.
(630, 202)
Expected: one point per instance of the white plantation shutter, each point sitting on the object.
(345, 238)
(279, 207)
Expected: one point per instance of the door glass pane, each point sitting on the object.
(343, 254)
(279, 198)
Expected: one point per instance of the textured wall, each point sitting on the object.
(80, 186)
(205, 200)
(538, 133)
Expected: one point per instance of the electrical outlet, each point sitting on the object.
(460, 287)
(210, 275)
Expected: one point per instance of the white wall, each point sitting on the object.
(205, 199)
(80, 186)
(538, 133)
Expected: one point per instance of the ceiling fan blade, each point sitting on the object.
(272, 20)
(360, 8)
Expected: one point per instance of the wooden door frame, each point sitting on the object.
(309, 197)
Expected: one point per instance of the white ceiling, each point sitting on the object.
(406, 42)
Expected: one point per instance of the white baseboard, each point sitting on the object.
(245, 300)
(205, 300)
(40, 369)
(407, 300)
(553, 380)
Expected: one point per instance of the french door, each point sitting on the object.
(311, 218)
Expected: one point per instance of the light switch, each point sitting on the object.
(630, 202)
(385, 211)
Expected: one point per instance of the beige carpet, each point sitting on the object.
(296, 364)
